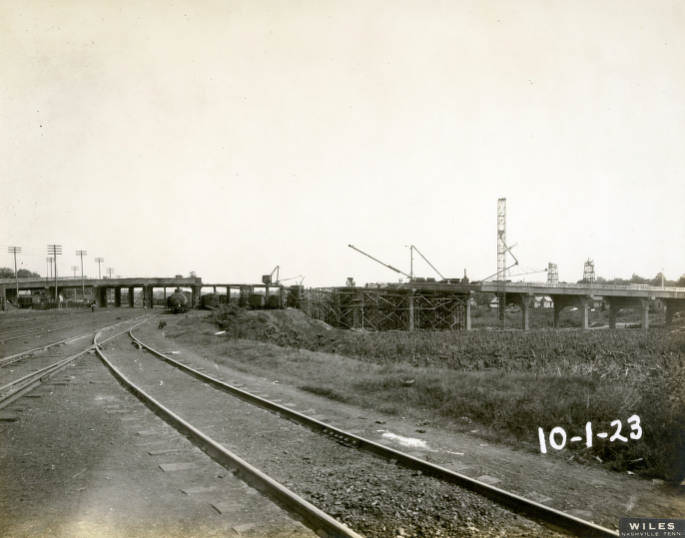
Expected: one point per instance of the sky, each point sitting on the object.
(228, 137)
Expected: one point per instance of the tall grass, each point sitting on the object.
(510, 381)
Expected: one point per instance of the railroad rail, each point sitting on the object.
(546, 515)
(19, 387)
(316, 519)
(4, 361)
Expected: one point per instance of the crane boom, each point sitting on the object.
(378, 261)
(429, 263)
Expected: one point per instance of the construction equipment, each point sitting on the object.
(268, 279)
(301, 277)
(410, 277)
(413, 248)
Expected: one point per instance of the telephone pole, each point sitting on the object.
(54, 251)
(82, 253)
(15, 251)
(99, 260)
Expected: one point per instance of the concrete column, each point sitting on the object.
(131, 297)
(117, 296)
(164, 288)
(214, 289)
(411, 310)
(501, 305)
(195, 297)
(558, 307)
(3, 298)
(101, 292)
(585, 316)
(525, 313)
(645, 313)
(228, 294)
(150, 297)
(244, 295)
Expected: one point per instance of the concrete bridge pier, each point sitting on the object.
(673, 306)
(117, 297)
(147, 297)
(101, 296)
(525, 302)
(195, 296)
(3, 298)
(131, 297)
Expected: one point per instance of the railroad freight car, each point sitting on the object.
(210, 301)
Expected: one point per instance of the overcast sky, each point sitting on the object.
(227, 137)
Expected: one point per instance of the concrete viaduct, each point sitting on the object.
(583, 295)
(100, 287)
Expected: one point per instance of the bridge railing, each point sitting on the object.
(591, 286)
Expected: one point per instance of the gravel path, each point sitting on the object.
(372, 496)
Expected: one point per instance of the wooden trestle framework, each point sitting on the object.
(388, 308)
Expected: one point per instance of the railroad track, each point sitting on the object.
(35, 331)
(550, 517)
(17, 388)
(66, 332)
(319, 521)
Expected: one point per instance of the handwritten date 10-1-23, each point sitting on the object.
(558, 438)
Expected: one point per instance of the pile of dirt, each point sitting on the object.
(289, 327)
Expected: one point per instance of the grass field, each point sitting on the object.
(508, 381)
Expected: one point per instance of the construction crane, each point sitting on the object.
(382, 263)
(269, 279)
(516, 262)
(413, 248)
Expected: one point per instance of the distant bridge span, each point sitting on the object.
(99, 287)
(519, 293)
(582, 296)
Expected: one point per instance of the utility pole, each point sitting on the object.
(15, 250)
(82, 253)
(501, 255)
(55, 250)
(99, 260)
(411, 263)
(110, 270)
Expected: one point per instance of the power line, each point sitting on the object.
(99, 260)
(82, 253)
(54, 251)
